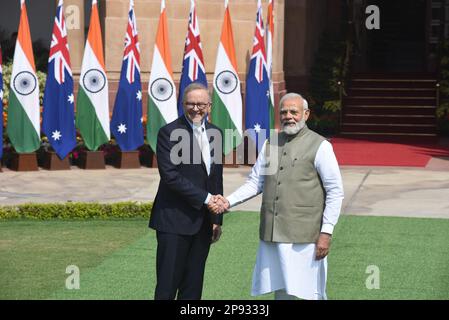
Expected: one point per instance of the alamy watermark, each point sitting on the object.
(73, 281)
(373, 280)
(186, 152)
(72, 17)
(373, 20)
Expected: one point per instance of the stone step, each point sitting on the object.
(389, 110)
(389, 119)
(390, 128)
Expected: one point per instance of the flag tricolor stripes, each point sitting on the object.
(226, 97)
(23, 110)
(162, 107)
(92, 115)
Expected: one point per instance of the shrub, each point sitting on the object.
(76, 210)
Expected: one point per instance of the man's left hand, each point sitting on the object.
(322, 245)
(216, 233)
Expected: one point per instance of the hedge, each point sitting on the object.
(76, 210)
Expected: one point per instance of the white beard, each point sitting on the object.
(288, 130)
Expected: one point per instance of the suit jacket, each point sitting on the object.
(179, 204)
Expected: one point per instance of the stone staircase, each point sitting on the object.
(390, 106)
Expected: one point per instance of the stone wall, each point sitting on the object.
(304, 23)
(210, 14)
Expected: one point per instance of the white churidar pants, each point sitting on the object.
(289, 267)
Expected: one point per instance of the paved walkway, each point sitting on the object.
(381, 191)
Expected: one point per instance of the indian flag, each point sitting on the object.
(92, 114)
(226, 98)
(162, 107)
(23, 110)
(270, 34)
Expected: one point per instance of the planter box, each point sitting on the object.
(233, 160)
(127, 160)
(147, 157)
(23, 162)
(91, 160)
(51, 161)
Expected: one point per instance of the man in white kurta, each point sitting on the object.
(295, 269)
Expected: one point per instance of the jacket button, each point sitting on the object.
(282, 168)
(285, 153)
(277, 198)
(279, 183)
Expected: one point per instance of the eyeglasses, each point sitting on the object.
(200, 106)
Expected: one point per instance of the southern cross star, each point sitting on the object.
(56, 135)
(121, 128)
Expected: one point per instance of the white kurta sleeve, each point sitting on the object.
(254, 183)
(327, 166)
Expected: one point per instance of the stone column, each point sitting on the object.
(278, 55)
(74, 15)
(305, 21)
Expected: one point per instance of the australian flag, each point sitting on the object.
(193, 63)
(257, 115)
(58, 121)
(126, 122)
(1, 105)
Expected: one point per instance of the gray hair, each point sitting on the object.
(293, 95)
(192, 87)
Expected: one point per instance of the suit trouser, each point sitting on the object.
(180, 264)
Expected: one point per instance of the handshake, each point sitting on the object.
(218, 204)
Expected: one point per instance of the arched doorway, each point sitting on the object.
(400, 43)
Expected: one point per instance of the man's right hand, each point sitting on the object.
(218, 204)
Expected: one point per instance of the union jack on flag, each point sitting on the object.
(126, 122)
(132, 48)
(193, 63)
(59, 50)
(58, 118)
(259, 52)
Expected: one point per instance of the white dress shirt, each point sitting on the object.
(200, 133)
(327, 167)
(203, 141)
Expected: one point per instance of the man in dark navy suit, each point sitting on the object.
(189, 162)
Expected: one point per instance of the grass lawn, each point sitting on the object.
(116, 258)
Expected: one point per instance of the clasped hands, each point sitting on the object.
(218, 204)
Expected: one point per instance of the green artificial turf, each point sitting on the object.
(116, 259)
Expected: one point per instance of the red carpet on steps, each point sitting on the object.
(371, 153)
